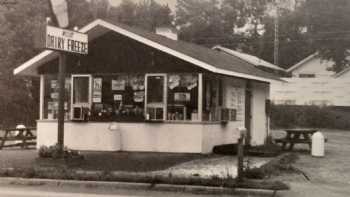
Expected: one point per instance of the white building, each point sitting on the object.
(313, 83)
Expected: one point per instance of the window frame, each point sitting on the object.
(86, 105)
(165, 93)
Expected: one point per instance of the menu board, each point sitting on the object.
(97, 90)
(118, 84)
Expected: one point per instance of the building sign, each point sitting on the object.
(66, 40)
(97, 90)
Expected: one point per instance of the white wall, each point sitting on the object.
(260, 92)
(79, 136)
(315, 66)
(154, 137)
(307, 91)
(259, 129)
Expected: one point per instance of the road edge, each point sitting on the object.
(5, 181)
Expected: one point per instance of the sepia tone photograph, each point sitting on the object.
(154, 98)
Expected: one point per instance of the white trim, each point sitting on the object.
(42, 94)
(149, 43)
(28, 63)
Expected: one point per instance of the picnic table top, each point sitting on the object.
(17, 129)
(301, 130)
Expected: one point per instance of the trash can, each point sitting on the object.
(317, 148)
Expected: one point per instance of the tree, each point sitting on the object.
(125, 13)
(21, 23)
(150, 14)
(146, 14)
(201, 22)
(327, 23)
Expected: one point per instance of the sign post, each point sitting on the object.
(61, 95)
(63, 40)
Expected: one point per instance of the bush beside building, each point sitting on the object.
(289, 116)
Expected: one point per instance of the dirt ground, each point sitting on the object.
(329, 176)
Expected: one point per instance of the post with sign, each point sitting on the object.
(61, 92)
(63, 41)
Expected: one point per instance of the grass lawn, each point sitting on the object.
(134, 161)
(105, 161)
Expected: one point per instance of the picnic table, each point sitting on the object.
(22, 137)
(296, 136)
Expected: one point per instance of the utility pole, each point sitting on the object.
(276, 41)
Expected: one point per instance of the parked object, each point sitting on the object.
(21, 135)
(318, 145)
(296, 136)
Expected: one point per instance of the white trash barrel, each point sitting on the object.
(317, 149)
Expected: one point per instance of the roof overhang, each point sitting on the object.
(249, 58)
(100, 27)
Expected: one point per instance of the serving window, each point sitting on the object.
(182, 97)
(50, 105)
(118, 97)
(139, 97)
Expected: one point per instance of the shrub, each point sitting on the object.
(277, 166)
(288, 116)
(54, 152)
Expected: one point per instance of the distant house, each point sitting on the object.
(312, 82)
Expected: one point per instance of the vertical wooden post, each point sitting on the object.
(42, 93)
(240, 154)
(200, 97)
(61, 91)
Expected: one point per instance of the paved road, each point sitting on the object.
(68, 191)
(316, 190)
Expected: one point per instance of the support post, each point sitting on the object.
(42, 94)
(200, 97)
(240, 154)
(61, 91)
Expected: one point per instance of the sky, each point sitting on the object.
(171, 3)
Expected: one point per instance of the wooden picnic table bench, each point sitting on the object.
(25, 135)
(296, 136)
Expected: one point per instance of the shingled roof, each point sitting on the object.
(203, 57)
